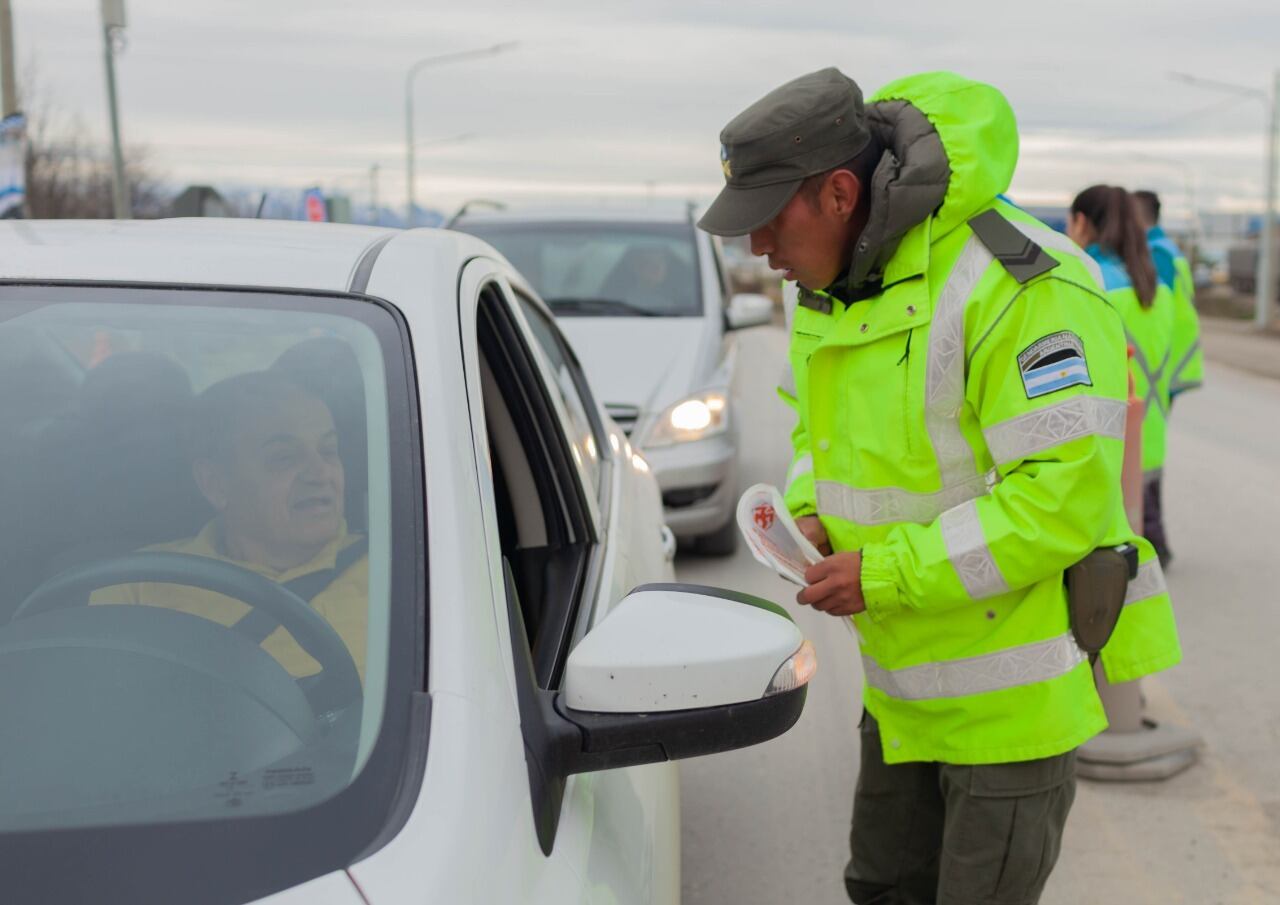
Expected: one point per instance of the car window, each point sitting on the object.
(603, 269)
(545, 525)
(585, 434)
(196, 528)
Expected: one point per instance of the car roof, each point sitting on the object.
(617, 212)
(206, 251)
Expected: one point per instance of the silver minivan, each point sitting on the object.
(644, 299)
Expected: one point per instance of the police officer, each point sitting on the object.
(1186, 360)
(1103, 220)
(959, 382)
(1186, 371)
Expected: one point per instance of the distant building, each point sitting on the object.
(199, 201)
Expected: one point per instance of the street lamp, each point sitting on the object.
(1266, 250)
(113, 25)
(408, 108)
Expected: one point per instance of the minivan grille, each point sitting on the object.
(625, 415)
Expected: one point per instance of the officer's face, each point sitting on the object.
(1080, 230)
(809, 240)
(282, 489)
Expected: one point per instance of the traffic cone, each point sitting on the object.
(1134, 748)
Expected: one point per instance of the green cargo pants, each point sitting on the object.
(955, 835)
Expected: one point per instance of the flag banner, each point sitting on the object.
(13, 154)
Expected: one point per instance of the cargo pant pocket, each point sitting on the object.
(897, 829)
(1003, 829)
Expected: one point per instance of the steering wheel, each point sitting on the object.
(338, 684)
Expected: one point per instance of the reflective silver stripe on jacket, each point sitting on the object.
(1148, 583)
(1034, 432)
(1026, 664)
(803, 465)
(1153, 376)
(969, 554)
(886, 505)
(1051, 238)
(944, 369)
(1186, 360)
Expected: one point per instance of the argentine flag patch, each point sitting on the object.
(1053, 363)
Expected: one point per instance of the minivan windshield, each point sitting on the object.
(196, 559)
(604, 269)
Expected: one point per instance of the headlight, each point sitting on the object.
(695, 418)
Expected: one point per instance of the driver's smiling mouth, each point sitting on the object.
(316, 504)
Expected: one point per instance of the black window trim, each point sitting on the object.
(609, 463)
(539, 418)
(149, 862)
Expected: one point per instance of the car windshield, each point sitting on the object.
(603, 269)
(196, 522)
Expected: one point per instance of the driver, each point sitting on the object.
(643, 277)
(265, 456)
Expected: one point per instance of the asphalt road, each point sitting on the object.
(769, 824)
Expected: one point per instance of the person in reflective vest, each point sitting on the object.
(959, 380)
(1104, 221)
(1186, 360)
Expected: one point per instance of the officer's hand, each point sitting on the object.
(835, 585)
(811, 527)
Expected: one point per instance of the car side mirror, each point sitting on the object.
(749, 309)
(673, 671)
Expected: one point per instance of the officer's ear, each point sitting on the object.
(843, 192)
(211, 478)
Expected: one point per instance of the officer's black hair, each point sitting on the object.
(862, 165)
(1149, 204)
(1113, 213)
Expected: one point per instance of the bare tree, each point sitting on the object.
(68, 175)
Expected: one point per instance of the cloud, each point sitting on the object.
(632, 95)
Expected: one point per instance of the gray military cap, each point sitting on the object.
(807, 126)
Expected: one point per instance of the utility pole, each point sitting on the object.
(373, 193)
(408, 111)
(1266, 298)
(8, 82)
(113, 25)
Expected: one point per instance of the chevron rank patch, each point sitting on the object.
(1053, 363)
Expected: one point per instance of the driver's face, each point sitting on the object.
(651, 266)
(283, 488)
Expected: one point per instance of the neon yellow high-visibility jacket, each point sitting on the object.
(1186, 360)
(1150, 333)
(961, 422)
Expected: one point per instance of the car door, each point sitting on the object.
(553, 476)
(640, 805)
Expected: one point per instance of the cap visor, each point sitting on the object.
(737, 211)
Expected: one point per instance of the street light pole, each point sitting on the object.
(408, 109)
(1264, 298)
(8, 82)
(1267, 250)
(113, 23)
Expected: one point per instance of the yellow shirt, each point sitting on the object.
(344, 603)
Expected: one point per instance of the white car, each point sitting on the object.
(643, 296)
(324, 580)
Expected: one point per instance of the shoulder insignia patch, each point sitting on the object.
(1053, 363)
(1024, 259)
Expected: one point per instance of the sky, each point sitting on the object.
(604, 99)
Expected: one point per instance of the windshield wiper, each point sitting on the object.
(615, 307)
